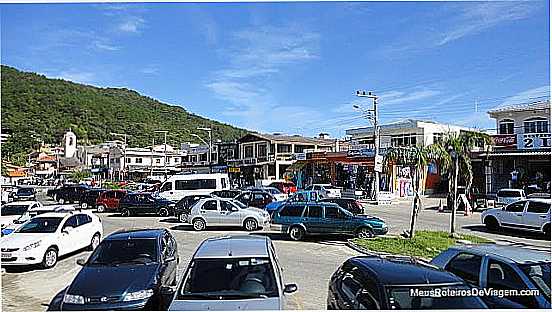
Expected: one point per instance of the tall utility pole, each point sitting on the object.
(454, 157)
(209, 130)
(372, 114)
(165, 151)
(152, 152)
(124, 149)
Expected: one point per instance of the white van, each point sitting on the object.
(180, 185)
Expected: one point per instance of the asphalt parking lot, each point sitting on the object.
(308, 263)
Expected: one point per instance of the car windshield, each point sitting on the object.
(25, 192)
(433, 297)
(125, 251)
(539, 273)
(14, 210)
(41, 225)
(509, 194)
(273, 191)
(230, 278)
(239, 204)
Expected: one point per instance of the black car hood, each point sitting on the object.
(93, 281)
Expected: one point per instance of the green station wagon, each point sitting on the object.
(300, 219)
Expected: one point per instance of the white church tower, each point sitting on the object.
(70, 140)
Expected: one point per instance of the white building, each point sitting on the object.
(409, 132)
(521, 149)
(137, 162)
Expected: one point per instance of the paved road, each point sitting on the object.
(309, 263)
(398, 218)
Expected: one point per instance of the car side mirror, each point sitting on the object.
(234, 209)
(67, 230)
(170, 259)
(81, 261)
(290, 288)
(167, 291)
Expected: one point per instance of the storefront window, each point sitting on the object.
(284, 148)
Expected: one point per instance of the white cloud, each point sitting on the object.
(530, 95)
(254, 56)
(75, 76)
(402, 97)
(98, 44)
(150, 70)
(131, 24)
(477, 17)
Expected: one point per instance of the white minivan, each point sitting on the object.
(180, 185)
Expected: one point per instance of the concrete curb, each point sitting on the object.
(369, 252)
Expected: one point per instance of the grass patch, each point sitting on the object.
(426, 244)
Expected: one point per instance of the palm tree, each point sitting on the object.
(418, 157)
(454, 155)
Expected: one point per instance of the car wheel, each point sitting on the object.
(199, 225)
(84, 206)
(546, 231)
(365, 233)
(163, 212)
(61, 201)
(50, 258)
(94, 242)
(296, 233)
(250, 225)
(100, 208)
(183, 217)
(491, 223)
(125, 213)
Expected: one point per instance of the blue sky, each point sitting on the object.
(294, 67)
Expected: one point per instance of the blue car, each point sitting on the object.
(302, 196)
(300, 219)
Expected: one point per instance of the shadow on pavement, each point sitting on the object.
(317, 239)
(170, 220)
(508, 232)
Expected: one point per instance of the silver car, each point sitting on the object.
(233, 273)
(226, 212)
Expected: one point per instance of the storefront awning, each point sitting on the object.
(296, 166)
(528, 153)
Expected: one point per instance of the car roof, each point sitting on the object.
(236, 246)
(21, 203)
(403, 271)
(135, 233)
(540, 200)
(511, 189)
(513, 254)
(54, 214)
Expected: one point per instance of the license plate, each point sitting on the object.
(6, 255)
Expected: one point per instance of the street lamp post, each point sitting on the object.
(372, 114)
(210, 145)
(164, 151)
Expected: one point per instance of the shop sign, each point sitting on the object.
(300, 156)
(533, 140)
(505, 140)
(365, 152)
(378, 163)
(317, 155)
(234, 169)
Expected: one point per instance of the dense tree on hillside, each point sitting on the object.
(38, 108)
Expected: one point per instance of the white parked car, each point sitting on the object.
(327, 189)
(226, 212)
(44, 238)
(13, 211)
(530, 214)
(233, 273)
(33, 212)
(508, 196)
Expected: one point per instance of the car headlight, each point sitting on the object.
(172, 205)
(73, 299)
(138, 295)
(31, 246)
